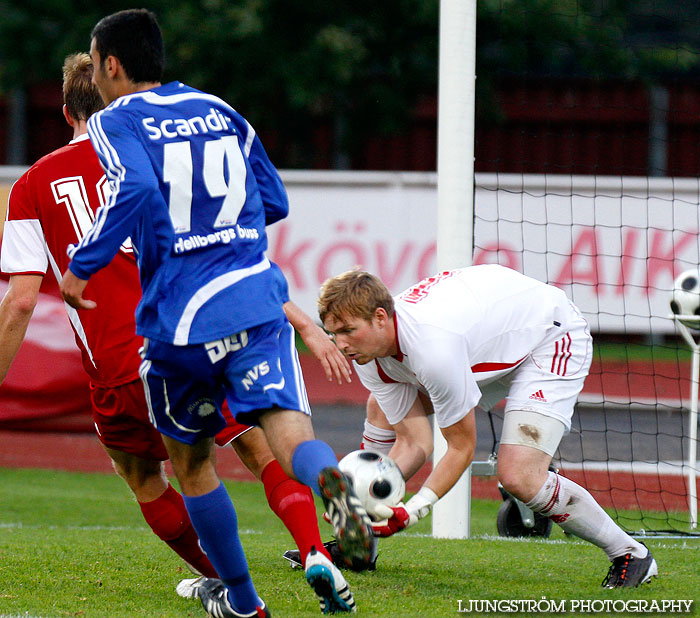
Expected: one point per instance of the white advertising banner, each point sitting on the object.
(383, 222)
(614, 244)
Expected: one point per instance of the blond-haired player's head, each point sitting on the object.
(80, 95)
(356, 294)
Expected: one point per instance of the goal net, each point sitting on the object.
(613, 244)
(585, 181)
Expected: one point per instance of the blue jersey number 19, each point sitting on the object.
(178, 173)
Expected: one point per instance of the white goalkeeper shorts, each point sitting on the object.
(549, 381)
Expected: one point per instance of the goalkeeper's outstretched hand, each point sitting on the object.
(396, 518)
(402, 516)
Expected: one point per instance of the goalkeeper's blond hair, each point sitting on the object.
(80, 95)
(354, 293)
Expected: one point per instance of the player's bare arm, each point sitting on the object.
(319, 343)
(72, 288)
(461, 440)
(16, 310)
(460, 437)
(414, 440)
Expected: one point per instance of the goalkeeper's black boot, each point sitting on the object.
(294, 557)
(629, 572)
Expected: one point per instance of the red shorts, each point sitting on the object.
(233, 428)
(121, 420)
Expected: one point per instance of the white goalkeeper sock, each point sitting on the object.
(577, 512)
(377, 439)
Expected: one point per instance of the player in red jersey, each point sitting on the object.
(51, 206)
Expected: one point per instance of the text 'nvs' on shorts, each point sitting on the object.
(255, 370)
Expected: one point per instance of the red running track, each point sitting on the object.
(636, 382)
(84, 453)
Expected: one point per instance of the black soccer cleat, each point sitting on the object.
(214, 597)
(294, 557)
(351, 524)
(629, 572)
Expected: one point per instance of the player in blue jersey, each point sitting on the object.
(194, 189)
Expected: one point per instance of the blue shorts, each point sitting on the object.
(255, 370)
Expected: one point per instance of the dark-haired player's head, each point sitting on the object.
(134, 38)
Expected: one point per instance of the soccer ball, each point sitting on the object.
(375, 478)
(685, 299)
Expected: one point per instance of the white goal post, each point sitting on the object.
(614, 312)
(693, 413)
(455, 166)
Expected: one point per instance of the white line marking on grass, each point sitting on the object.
(683, 545)
(691, 544)
(19, 524)
(524, 539)
(508, 539)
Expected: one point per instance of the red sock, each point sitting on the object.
(293, 503)
(168, 518)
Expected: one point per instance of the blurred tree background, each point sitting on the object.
(323, 81)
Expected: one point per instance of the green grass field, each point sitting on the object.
(674, 351)
(75, 545)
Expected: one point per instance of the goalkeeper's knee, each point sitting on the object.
(377, 439)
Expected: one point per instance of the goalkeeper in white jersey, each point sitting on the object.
(194, 189)
(471, 337)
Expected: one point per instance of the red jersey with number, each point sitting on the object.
(51, 206)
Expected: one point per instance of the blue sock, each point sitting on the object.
(309, 459)
(214, 519)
